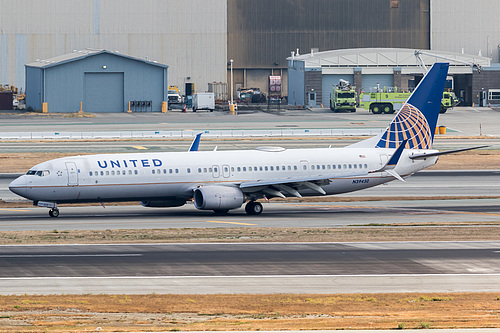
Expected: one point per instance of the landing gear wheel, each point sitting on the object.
(253, 208)
(54, 212)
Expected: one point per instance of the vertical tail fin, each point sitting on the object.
(417, 119)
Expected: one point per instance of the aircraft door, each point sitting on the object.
(72, 173)
(226, 171)
(215, 171)
(304, 167)
(383, 160)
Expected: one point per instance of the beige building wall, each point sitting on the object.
(464, 26)
(189, 36)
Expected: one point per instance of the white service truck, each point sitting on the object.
(204, 101)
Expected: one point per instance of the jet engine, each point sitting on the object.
(218, 198)
(164, 203)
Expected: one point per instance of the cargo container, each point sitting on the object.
(204, 101)
(220, 91)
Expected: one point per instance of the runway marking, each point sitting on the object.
(69, 255)
(140, 147)
(227, 222)
(161, 277)
(14, 210)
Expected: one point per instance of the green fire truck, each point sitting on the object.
(389, 100)
(343, 97)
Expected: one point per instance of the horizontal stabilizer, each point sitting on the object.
(420, 156)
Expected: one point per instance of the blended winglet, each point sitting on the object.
(196, 143)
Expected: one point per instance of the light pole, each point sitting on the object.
(231, 62)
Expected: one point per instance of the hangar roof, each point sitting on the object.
(78, 55)
(379, 58)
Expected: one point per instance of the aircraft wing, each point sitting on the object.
(292, 186)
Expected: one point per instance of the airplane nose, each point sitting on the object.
(18, 186)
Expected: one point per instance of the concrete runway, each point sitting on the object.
(250, 268)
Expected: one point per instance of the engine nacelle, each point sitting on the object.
(164, 203)
(218, 198)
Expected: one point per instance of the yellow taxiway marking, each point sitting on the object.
(14, 210)
(231, 222)
(139, 147)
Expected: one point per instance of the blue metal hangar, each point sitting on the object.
(96, 81)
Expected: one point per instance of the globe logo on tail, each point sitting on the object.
(409, 124)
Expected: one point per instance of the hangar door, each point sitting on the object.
(103, 92)
(371, 81)
(330, 80)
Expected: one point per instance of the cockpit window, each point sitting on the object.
(39, 173)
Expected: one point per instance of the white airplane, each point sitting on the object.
(225, 180)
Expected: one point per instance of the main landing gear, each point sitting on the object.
(253, 208)
(54, 212)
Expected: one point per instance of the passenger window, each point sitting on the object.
(244, 169)
(153, 171)
(334, 166)
(272, 168)
(312, 167)
(265, 168)
(350, 166)
(295, 167)
(260, 168)
(102, 173)
(176, 170)
(366, 166)
(107, 173)
(90, 173)
(323, 167)
(305, 167)
(345, 166)
(238, 169)
(164, 171)
(205, 170)
(170, 171)
(328, 166)
(361, 166)
(124, 172)
(188, 170)
(199, 170)
(355, 166)
(137, 172)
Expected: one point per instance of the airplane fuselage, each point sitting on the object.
(174, 176)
